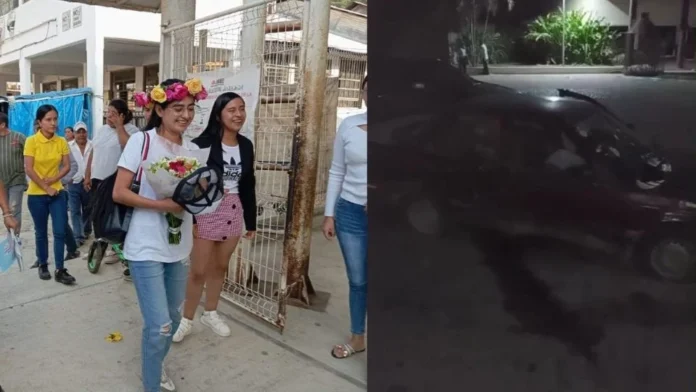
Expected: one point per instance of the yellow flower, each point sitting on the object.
(158, 94)
(194, 86)
(114, 337)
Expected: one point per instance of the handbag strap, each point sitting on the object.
(143, 156)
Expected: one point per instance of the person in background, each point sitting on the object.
(143, 101)
(346, 218)
(47, 161)
(69, 135)
(12, 172)
(159, 268)
(7, 215)
(107, 145)
(217, 233)
(78, 195)
(71, 243)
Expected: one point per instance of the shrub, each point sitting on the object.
(588, 40)
(498, 45)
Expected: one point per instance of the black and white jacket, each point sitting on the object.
(247, 181)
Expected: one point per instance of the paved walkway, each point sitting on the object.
(52, 337)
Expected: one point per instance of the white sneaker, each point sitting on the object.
(185, 329)
(213, 320)
(166, 383)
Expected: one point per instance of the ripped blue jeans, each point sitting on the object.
(161, 290)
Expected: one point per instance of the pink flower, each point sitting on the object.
(180, 92)
(141, 99)
(203, 94)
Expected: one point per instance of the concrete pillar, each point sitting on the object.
(24, 75)
(253, 36)
(202, 49)
(95, 77)
(174, 13)
(139, 78)
(3, 84)
(36, 84)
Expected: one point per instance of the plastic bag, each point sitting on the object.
(10, 252)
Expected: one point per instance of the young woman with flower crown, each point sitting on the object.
(159, 269)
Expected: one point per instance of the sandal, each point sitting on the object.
(347, 349)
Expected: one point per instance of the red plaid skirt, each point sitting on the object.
(226, 222)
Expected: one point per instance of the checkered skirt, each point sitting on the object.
(225, 222)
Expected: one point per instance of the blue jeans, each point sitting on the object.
(351, 231)
(161, 290)
(15, 194)
(79, 211)
(41, 207)
(70, 243)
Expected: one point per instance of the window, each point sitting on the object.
(123, 86)
(67, 84)
(49, 87)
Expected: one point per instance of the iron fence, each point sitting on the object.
(350, 68)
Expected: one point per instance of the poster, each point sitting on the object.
(246, 83)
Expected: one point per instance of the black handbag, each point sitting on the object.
(110, 219)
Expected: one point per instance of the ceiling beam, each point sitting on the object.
(120, 4)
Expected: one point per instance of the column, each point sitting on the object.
(3, 85)
(175, 13)
(139, 78)
(24, 75)
(253, 36)
(95, 78)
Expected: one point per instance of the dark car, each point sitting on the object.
(562, 167)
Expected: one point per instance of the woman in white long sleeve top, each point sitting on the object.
(346, 218)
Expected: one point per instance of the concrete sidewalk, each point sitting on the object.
(52, 336)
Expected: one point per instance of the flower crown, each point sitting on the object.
(173, 92)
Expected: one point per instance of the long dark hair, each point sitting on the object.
(214, 130)
(43, 110)
(155, 120)
(122, 108)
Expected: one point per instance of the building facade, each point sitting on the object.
(52, 45)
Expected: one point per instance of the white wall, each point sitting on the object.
(126, 24)
(38, 28)
(615, 12)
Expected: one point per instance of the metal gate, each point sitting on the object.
(269, 34)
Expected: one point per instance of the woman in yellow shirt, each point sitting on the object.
(47, 161)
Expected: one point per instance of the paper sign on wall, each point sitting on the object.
(245, 83)
(66, 20)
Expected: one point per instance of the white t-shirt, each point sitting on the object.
(107, 150)
(148, 238)
(81, 160)
(348, 173)
(233, 167)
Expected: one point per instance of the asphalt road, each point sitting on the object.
(478, 312)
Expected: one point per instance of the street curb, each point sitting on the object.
(547, 70)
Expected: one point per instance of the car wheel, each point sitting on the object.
(426, 216)
(673, 259)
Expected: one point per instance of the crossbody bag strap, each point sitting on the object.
(143, 156)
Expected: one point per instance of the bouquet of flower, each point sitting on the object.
(164, 176)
